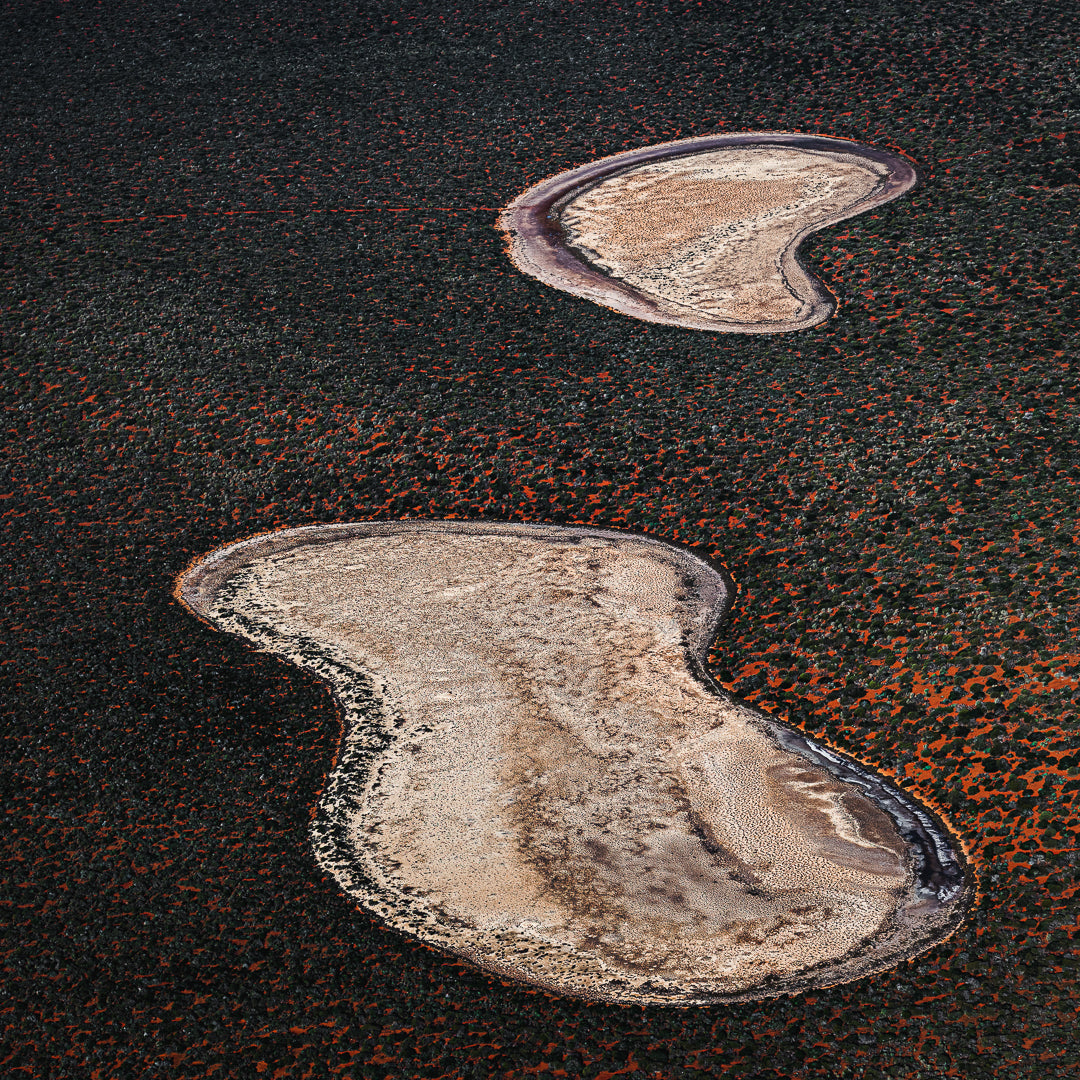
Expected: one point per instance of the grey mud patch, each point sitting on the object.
(539, 775)
(703, 232)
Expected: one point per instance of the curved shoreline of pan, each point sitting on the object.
(942, 890)
(537, 246)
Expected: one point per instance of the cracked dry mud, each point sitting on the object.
(701, 233)
(539, 776)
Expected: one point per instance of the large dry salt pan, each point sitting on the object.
(702, 232)
(538, 774)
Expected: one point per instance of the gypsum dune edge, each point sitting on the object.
(538, 774)
(598, 231)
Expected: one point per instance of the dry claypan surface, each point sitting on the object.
(539, 776)
(701, 233)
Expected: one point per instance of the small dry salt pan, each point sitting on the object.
(701, 233)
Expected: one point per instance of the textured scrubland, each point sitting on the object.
(252, 279)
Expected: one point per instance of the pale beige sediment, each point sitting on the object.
(706, 240)
(548, 786)
(706, 235)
